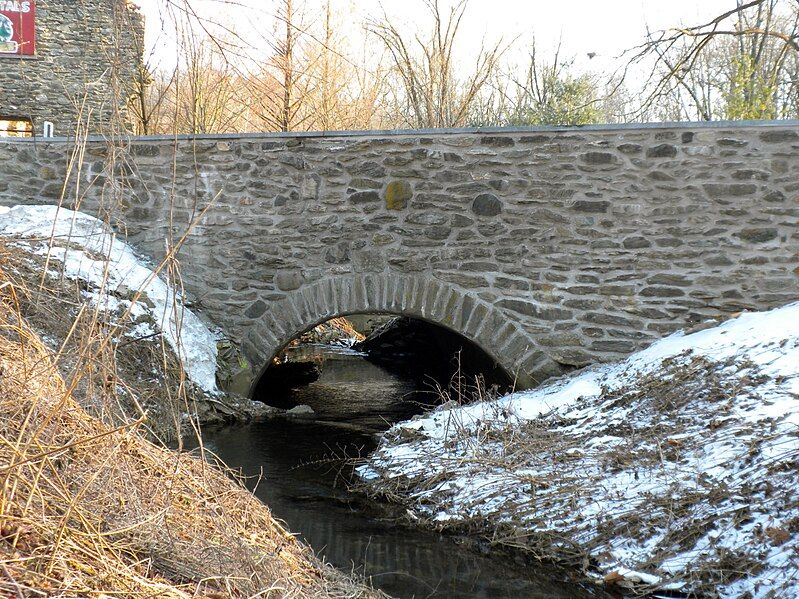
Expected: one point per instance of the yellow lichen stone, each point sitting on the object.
(398, 194)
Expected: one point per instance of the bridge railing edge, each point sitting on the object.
(426, 132)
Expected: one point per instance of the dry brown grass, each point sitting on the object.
(333, 330)
(91, 510)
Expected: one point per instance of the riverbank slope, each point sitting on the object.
(86, 509)
(674, 469)
(97, 355)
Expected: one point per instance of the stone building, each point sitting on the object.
(77, 64)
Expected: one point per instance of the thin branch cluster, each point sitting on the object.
(323, 71)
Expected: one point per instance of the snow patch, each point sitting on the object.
(678, 461)
(90, 251)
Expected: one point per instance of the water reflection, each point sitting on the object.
(292, 471)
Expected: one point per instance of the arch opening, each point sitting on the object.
(409, 358)
(421, 297)
(444, 328)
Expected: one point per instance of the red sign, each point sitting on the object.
(17, 27)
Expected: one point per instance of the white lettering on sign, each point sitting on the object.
(15, 6)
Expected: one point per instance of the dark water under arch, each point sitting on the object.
(289, 462)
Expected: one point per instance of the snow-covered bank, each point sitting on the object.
(90, 252)
(678, 467)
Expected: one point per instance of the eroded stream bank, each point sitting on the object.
(295, 466)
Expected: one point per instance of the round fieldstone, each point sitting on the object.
(487, 204)
(288, 280)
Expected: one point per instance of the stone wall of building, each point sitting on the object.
(545, 247)
(88, 54)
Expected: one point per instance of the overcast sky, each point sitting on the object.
(604, 27)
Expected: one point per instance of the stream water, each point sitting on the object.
(296, 467)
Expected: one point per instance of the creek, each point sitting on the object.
(299, 467)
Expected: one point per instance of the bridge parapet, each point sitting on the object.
(586, 242)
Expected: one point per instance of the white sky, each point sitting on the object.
(605, 27)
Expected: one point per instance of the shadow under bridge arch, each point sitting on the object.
(423, 298)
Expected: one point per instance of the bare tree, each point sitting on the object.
(432, 93)
(205, 94)
(148, 108)
(201, 92)
(345, 92)
(285, 55)
(279, 86)
(330, 85)
(540, 93)
(310, 80)
(740, 64)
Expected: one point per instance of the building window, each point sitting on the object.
(13, 126)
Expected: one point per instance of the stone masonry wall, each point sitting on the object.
(546, 247)
(88, 53)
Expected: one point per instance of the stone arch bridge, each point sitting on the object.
(545, 247)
